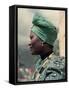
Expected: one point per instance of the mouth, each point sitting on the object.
(30, 47)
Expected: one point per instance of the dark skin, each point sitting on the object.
(38, 47)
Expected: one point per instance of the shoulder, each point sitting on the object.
(57, 62)
(56, 68)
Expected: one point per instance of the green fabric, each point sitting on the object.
(44, 29)
(54, 70)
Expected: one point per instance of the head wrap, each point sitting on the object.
(44, 29)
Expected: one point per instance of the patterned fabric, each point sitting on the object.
(51, 68)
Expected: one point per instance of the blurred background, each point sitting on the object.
(26, 61)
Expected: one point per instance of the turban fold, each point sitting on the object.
(44, 29)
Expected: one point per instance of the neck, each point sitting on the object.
(45, 54)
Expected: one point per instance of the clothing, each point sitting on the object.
(51, 68)
(44, 29)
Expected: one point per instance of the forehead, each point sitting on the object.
(32, 34)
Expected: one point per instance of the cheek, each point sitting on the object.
(36, 45)
(33, 42)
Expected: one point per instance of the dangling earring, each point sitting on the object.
(42, 43)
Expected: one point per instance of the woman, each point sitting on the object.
(43, 35)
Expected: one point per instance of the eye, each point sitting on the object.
(31, 37)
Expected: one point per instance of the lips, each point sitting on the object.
(30, 47)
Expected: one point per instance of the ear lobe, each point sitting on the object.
(42, 43)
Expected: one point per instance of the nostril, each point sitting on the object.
(29, 44)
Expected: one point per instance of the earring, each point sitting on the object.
(42, 43)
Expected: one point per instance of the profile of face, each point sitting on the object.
(35, 44)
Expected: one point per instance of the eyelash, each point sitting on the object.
(31, 37)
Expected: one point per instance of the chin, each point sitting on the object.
(34, 53)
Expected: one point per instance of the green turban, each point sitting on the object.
(44, 29)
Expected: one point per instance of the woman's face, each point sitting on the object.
(35, 44)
